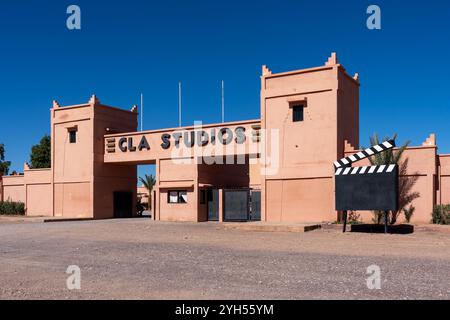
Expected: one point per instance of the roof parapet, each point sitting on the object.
(266, 71)
(332, 60)
(430, 141)
(93, 101)
(348, 147)
(56, 105)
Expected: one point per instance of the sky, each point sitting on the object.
(128, 47)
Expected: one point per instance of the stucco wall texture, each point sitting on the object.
(299, 187)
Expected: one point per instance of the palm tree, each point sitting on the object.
(4, 165)
(148, 182)
(405, 183)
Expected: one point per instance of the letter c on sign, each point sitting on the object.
(122, 144)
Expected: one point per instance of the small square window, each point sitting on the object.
(297, 113)
(73, 136)
(177, 196)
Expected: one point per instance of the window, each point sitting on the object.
(179, 196)
(72, 136)
(297, 113)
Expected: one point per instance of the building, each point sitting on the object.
(277, 168)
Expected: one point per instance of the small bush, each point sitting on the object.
(409, 213)
(441, 214)
(12, 208)
(354, 218)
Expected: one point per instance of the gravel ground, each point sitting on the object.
(144, 259)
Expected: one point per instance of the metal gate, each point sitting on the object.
(212, 196)
(236, 205)
(255, 206)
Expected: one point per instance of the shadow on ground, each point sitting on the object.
(379, 228)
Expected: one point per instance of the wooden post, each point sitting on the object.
(386, 218)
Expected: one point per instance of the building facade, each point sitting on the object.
(278, 168)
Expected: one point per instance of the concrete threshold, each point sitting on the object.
(270, 227)
(56, 219)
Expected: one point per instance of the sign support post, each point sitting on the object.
(345, 221)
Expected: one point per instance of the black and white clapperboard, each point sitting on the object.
(369, 187)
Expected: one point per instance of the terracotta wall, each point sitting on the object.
(225, 176)
(443, 192)
(39, 192)
(14, 188)
(177, 176)
(301, 189)
(83, 184)
(179, 211)
(300, 200)
(109, 178)
(72, 162)
(348, 111)
(33, 188)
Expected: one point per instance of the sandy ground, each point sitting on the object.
(143, 259)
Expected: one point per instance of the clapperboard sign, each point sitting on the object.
(369, 187)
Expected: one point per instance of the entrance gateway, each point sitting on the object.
(278, 171)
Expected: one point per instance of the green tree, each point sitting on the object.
(40, 157)
(405, 183)
(4, 165)
(148, 182)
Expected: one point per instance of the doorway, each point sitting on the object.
(236, 205)
(255, 205)
(212, 196)
(123, 204)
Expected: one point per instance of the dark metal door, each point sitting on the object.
(236, 205)
(212, 196)
(255, 211)
(123, 204)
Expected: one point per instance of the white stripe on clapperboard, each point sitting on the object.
(364, 154)
(362, 170)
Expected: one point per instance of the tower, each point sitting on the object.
(313, 111)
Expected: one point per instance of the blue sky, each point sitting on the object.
(128, 47)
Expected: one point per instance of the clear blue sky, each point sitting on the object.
(128, 47)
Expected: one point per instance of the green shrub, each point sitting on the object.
(409, 213)
(12, 208)
(441, 214)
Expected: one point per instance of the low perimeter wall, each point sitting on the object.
(34, 188)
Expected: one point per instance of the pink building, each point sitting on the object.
(277, 168)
